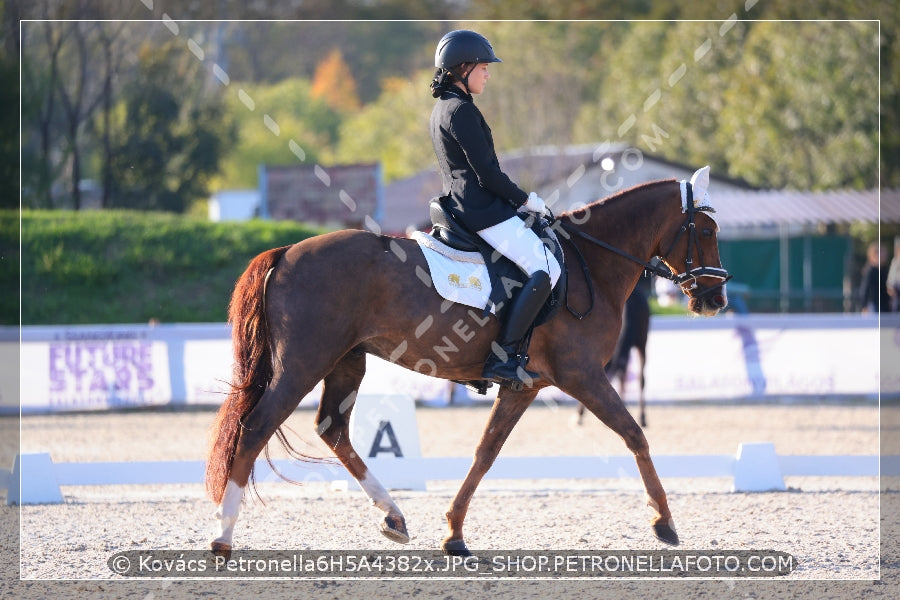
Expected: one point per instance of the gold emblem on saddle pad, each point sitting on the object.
(473, 282)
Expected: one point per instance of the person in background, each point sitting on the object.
(873, 291)
(893, 277)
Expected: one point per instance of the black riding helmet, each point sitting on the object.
(463, 46)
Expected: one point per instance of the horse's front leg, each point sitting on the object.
(508, 408)
(599, 397)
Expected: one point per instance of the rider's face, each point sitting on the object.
(478, 78)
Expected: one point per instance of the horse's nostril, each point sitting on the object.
(719, 299)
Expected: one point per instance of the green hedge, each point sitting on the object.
(127, 267)
(92, 267)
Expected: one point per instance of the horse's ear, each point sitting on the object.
(700, 183)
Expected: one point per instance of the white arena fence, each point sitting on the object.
(396, 460)
(757, 357)
(36, 479)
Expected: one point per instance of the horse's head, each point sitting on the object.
(692, 252)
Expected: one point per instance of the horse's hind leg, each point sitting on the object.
(275, 405)
(256, 428)
(642, 357)
(332, 425)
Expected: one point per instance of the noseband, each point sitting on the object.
(687, 280)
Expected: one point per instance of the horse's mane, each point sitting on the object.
(641, 187)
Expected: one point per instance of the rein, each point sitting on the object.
(660, 270)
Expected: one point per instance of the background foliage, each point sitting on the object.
(119, 266)
(778, 104)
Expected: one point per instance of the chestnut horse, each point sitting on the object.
(314, 310)
(634, 334)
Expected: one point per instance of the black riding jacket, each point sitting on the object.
(475, 190)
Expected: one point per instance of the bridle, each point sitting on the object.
(687, 280)
(690, 275)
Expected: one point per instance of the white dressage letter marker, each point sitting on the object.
(756, 468)
(384, 432)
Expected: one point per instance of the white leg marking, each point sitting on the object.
(228, 510)
(380, 497)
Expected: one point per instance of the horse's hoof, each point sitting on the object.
(394, 529)
(455, 548)
(221, 549)
(665, 533)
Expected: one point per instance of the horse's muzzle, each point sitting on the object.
(708, 301)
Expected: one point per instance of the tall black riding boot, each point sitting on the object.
(505, 364)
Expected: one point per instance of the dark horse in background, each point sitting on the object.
(634, 334)
(314, 310)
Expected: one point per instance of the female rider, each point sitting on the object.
(480, 196)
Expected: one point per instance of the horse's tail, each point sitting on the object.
(252, 367)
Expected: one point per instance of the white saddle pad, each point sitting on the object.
(457, 276)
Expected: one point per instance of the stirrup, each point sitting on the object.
(523, 379)
(500, 373)
(479, 386)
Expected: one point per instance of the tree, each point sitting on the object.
(801, 109)
(168, 136)
(68, 74)
(333, 83)
(9, 129)
(112, 39)
(533, 96)
(691, 104)
(9, 122)
(40, 136)
(779, 104)
(268, 52)
(392, 130)
(627, 62)
(578, 9)
(79, 94)
(890, 95)
(293, 115)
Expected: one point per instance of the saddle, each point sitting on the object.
(503, 273)
(445, 228)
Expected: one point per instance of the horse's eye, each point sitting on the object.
(707, 232)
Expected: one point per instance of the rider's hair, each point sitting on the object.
(444, 79)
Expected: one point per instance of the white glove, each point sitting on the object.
(535, 204)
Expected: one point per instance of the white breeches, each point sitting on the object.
(515, 241)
